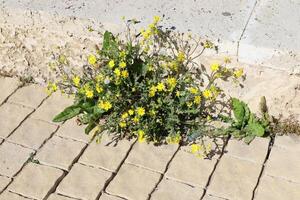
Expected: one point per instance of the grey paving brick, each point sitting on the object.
(12, 158)
(90, 181)
(288, 142)
(109, 197)
(32, 133)
(6, 195)
(7, 87)
(4, 181)
(58, 197)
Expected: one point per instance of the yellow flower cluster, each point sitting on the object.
(92, 59)
(174, 139)
(200, 150)
(105, 105)
(52, 87)
(76, 81)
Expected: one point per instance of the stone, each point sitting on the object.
(58, 197)
(30, 96)
(108, 157)
(283, 164)
(90, 181)
(187, 168)
(52, 106)
(234, 178)
(172, 190)
(71, 130)
(7, 87)
(256, 151)
(4, 181)
(109, 197)
(288, 142)
(6, 195)
(12, 158)
(60, 152)
(11, 116)
(36, 181)
(32, 133)
(151, 157)
(133, 182)
(210, 197)
(277, 189)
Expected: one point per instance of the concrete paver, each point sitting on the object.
(108, 197)
(83, 182)
(111, 155)
(133, 183)
(58, 197)
(7, 87)
(4, 181)
(11, 196)
(11, 116)
(151, 157)
(288, 142)
(172, 190)
(12, 158)
(31, 96)
(187, 168)
(284, 164)
(234, 178)
(60, 152)
(35, 181)
(32, 133)
(277, 189)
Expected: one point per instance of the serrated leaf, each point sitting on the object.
(238, 111)
(67, 113)
(255, 129)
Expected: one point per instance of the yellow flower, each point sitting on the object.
(193, 90)
(76, 81)
(174, 139)
(136, 119)
(208, 44)
(105, 105)
(122, 124)
(189, 104)
(122, 64)
(197, 100)
(177, 94)
(140, 111)
(92, 59)
(124, 115)
(195, 148)
(238, 73)
(117, 72)
(141, 135)
(122, 54)
(156, 19)
(52, 87)
(181, 56)
(152, 91)
(111, 63)
(99, 89)
(215, 67)
(172, 83)
(125, 74)
(89, 94)
(130, 112)
(160, 87)
(207, 94)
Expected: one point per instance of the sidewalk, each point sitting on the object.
(41, 160)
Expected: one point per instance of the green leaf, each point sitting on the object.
(249, 138)
(110, 46)
(90, 127)
(67, 113)
(238, 111)
(255, 129)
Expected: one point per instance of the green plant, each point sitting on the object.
(147, 85)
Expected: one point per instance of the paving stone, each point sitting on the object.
(284, 164)
(256, 151)
(288, 142)
(7, 87)
(152, 157)
(109, 197)
(234, 178)
(55, 104)
(58, 197)
(133, 182)
(12, 158)
(4, 181)
(106, 157)
(172, 190)
(210, 197)
(30, 96)
(6, 195)
(186, 167)
(32, 133)
(71, 130)
(60, 152)
(11, 116)
(90, 181)
(35, 181)
(277, 189)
